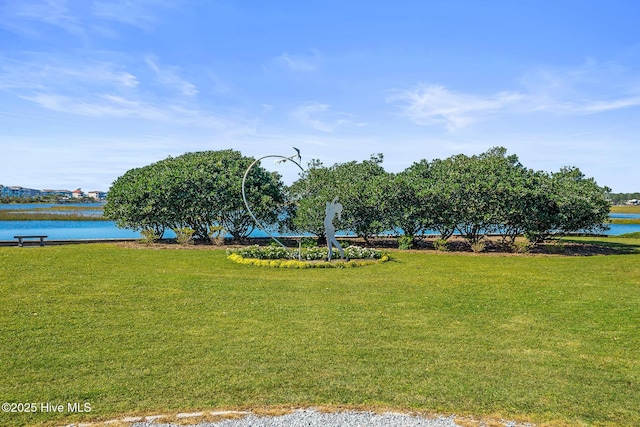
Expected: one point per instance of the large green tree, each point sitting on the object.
(566, 202)
(359, 188)
(195, 190)
(494, 193)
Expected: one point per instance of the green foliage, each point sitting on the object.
(622, 197)
(262, 252)
(441, 245)
(309, 242)
(478, 246)
(475, 195)
(566, 202)
(344, 243)
(556, 247)
(309, 254)
(522, 246)
(405, 242)
(148, 236)
(359, 188)
(196, 190)
(409, 201)
(284, 263)
(216, 234)
(494, 193)
(184, 235)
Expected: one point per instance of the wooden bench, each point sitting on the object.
(21, 238)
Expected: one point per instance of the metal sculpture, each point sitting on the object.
(331, 210)
(244, 179)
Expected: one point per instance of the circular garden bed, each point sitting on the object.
(313, 257)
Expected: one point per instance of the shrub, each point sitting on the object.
(216, 234)
(522, 247)
(266, 252)
(184, 235)
(405, 242)
(441, 245)
(555, 248)
(344, 243)
(357, 252)
(283, 263)
(309, 242)
(148, 236)
(478, 247)
(308, 254)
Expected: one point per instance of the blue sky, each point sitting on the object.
(92, 88)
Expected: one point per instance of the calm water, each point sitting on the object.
(29, 206)
(70, 230)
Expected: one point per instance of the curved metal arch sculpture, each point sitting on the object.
(244, 179)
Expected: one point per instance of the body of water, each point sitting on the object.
(31, 206)
(72, 230)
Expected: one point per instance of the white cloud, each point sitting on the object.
(426, 105)
(104, 106)
(319, 117)
(602, 106)
(109, 90)
(168, 76)
(20, 16)
(79, 18)
(44, 73)
(302, 63)
(137, 14)
(591, 88)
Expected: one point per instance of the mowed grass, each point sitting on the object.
(549, 339)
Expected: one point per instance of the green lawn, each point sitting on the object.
(140, 331)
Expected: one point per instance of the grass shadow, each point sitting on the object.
(600, 247)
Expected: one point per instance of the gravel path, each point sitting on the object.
(313, 418)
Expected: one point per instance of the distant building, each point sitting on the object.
(77, 193)
(61, 193)
(16, 191)
(633, 202)
(98, 195)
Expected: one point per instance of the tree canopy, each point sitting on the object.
(196, 190)
(472, 195)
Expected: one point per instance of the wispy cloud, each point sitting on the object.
(137, 13)
(106, 90)
(591, 88)
(79, 18)
(299, 63)
(44, 73)
(319, 117)
(21, 16)
(602, 106)
(105, 106)
(426, 105)
(169, 77)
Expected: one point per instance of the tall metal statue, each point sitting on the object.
(331, 210)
